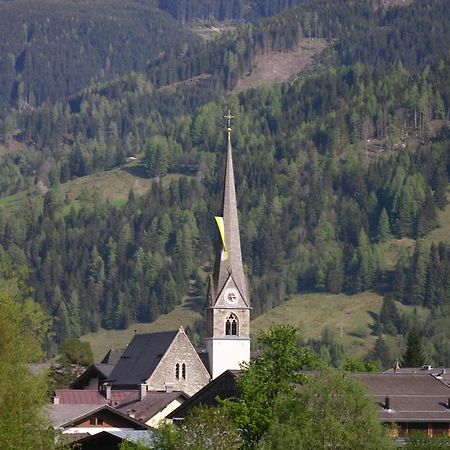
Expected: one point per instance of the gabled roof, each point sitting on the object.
(140, 358)
(152, 403)
(100, 371)
(62, 414)
(412, 397)
(224, 386)
(66, 416)
(112, 356)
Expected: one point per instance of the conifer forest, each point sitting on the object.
(331, 166)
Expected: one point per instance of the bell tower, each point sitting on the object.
(228, 315)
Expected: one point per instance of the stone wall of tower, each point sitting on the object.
(220, 316)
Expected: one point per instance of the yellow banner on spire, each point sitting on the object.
(221, 227)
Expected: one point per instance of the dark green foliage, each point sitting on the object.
(383, 228)
(389, 317)
(208, 10)
(329, 411)
(424, 279)
(314, 211)
(74, 351)
(271, 374)
(358, 365)
(427, 443)
(381, 354)
(23, 329)
(328, 348)
(54, 49)
(414, 355)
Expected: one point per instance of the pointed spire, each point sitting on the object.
(228, 255)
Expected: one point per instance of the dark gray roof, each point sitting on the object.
(112, 356)
(224, 386)
(413, 397)
(441, 373)
(232, 265)
(104, 369)
(61, 414)
(140, 358)
(100, 371)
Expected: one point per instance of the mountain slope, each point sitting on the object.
(51, 49)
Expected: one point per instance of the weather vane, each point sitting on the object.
(229, 117)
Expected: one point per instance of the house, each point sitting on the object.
(224, 386)
(164, 361)
(410, 402)
(91, 419)
(149, 407)
(96, 374)
(154, 407)
(441, 373)
(111, 440)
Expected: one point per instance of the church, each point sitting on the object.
(156, 372)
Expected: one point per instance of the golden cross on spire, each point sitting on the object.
(229, 117)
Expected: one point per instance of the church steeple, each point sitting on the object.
(228, 340)
(228, 256)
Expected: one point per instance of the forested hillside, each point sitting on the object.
(328, 169)
(208, 10)
(51, 49)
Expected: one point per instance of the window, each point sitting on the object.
(183, 371)
(231, 325)
(95, 421)
(177, 371)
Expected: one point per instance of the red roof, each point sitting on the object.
(80, 397)
(120, 396)
(94, 397)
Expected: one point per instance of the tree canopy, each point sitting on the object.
(23, 423)
(274, 372)
(329, 410)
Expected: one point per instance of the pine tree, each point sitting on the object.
(383, 228)
(389, 316)
(414, 355)
(381, 354)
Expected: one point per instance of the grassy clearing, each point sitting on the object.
(101, 341)
(12, 202)
(349, 316)
(113, 185)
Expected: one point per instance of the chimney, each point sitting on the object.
(387, 403)
(142, 391)
(169, 387)
(55, 400)
(107, 391)
(448, 403)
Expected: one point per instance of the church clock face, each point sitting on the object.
(231, 296)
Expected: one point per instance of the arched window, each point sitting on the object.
(231, 325)
(183, 371)
(177, 371)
